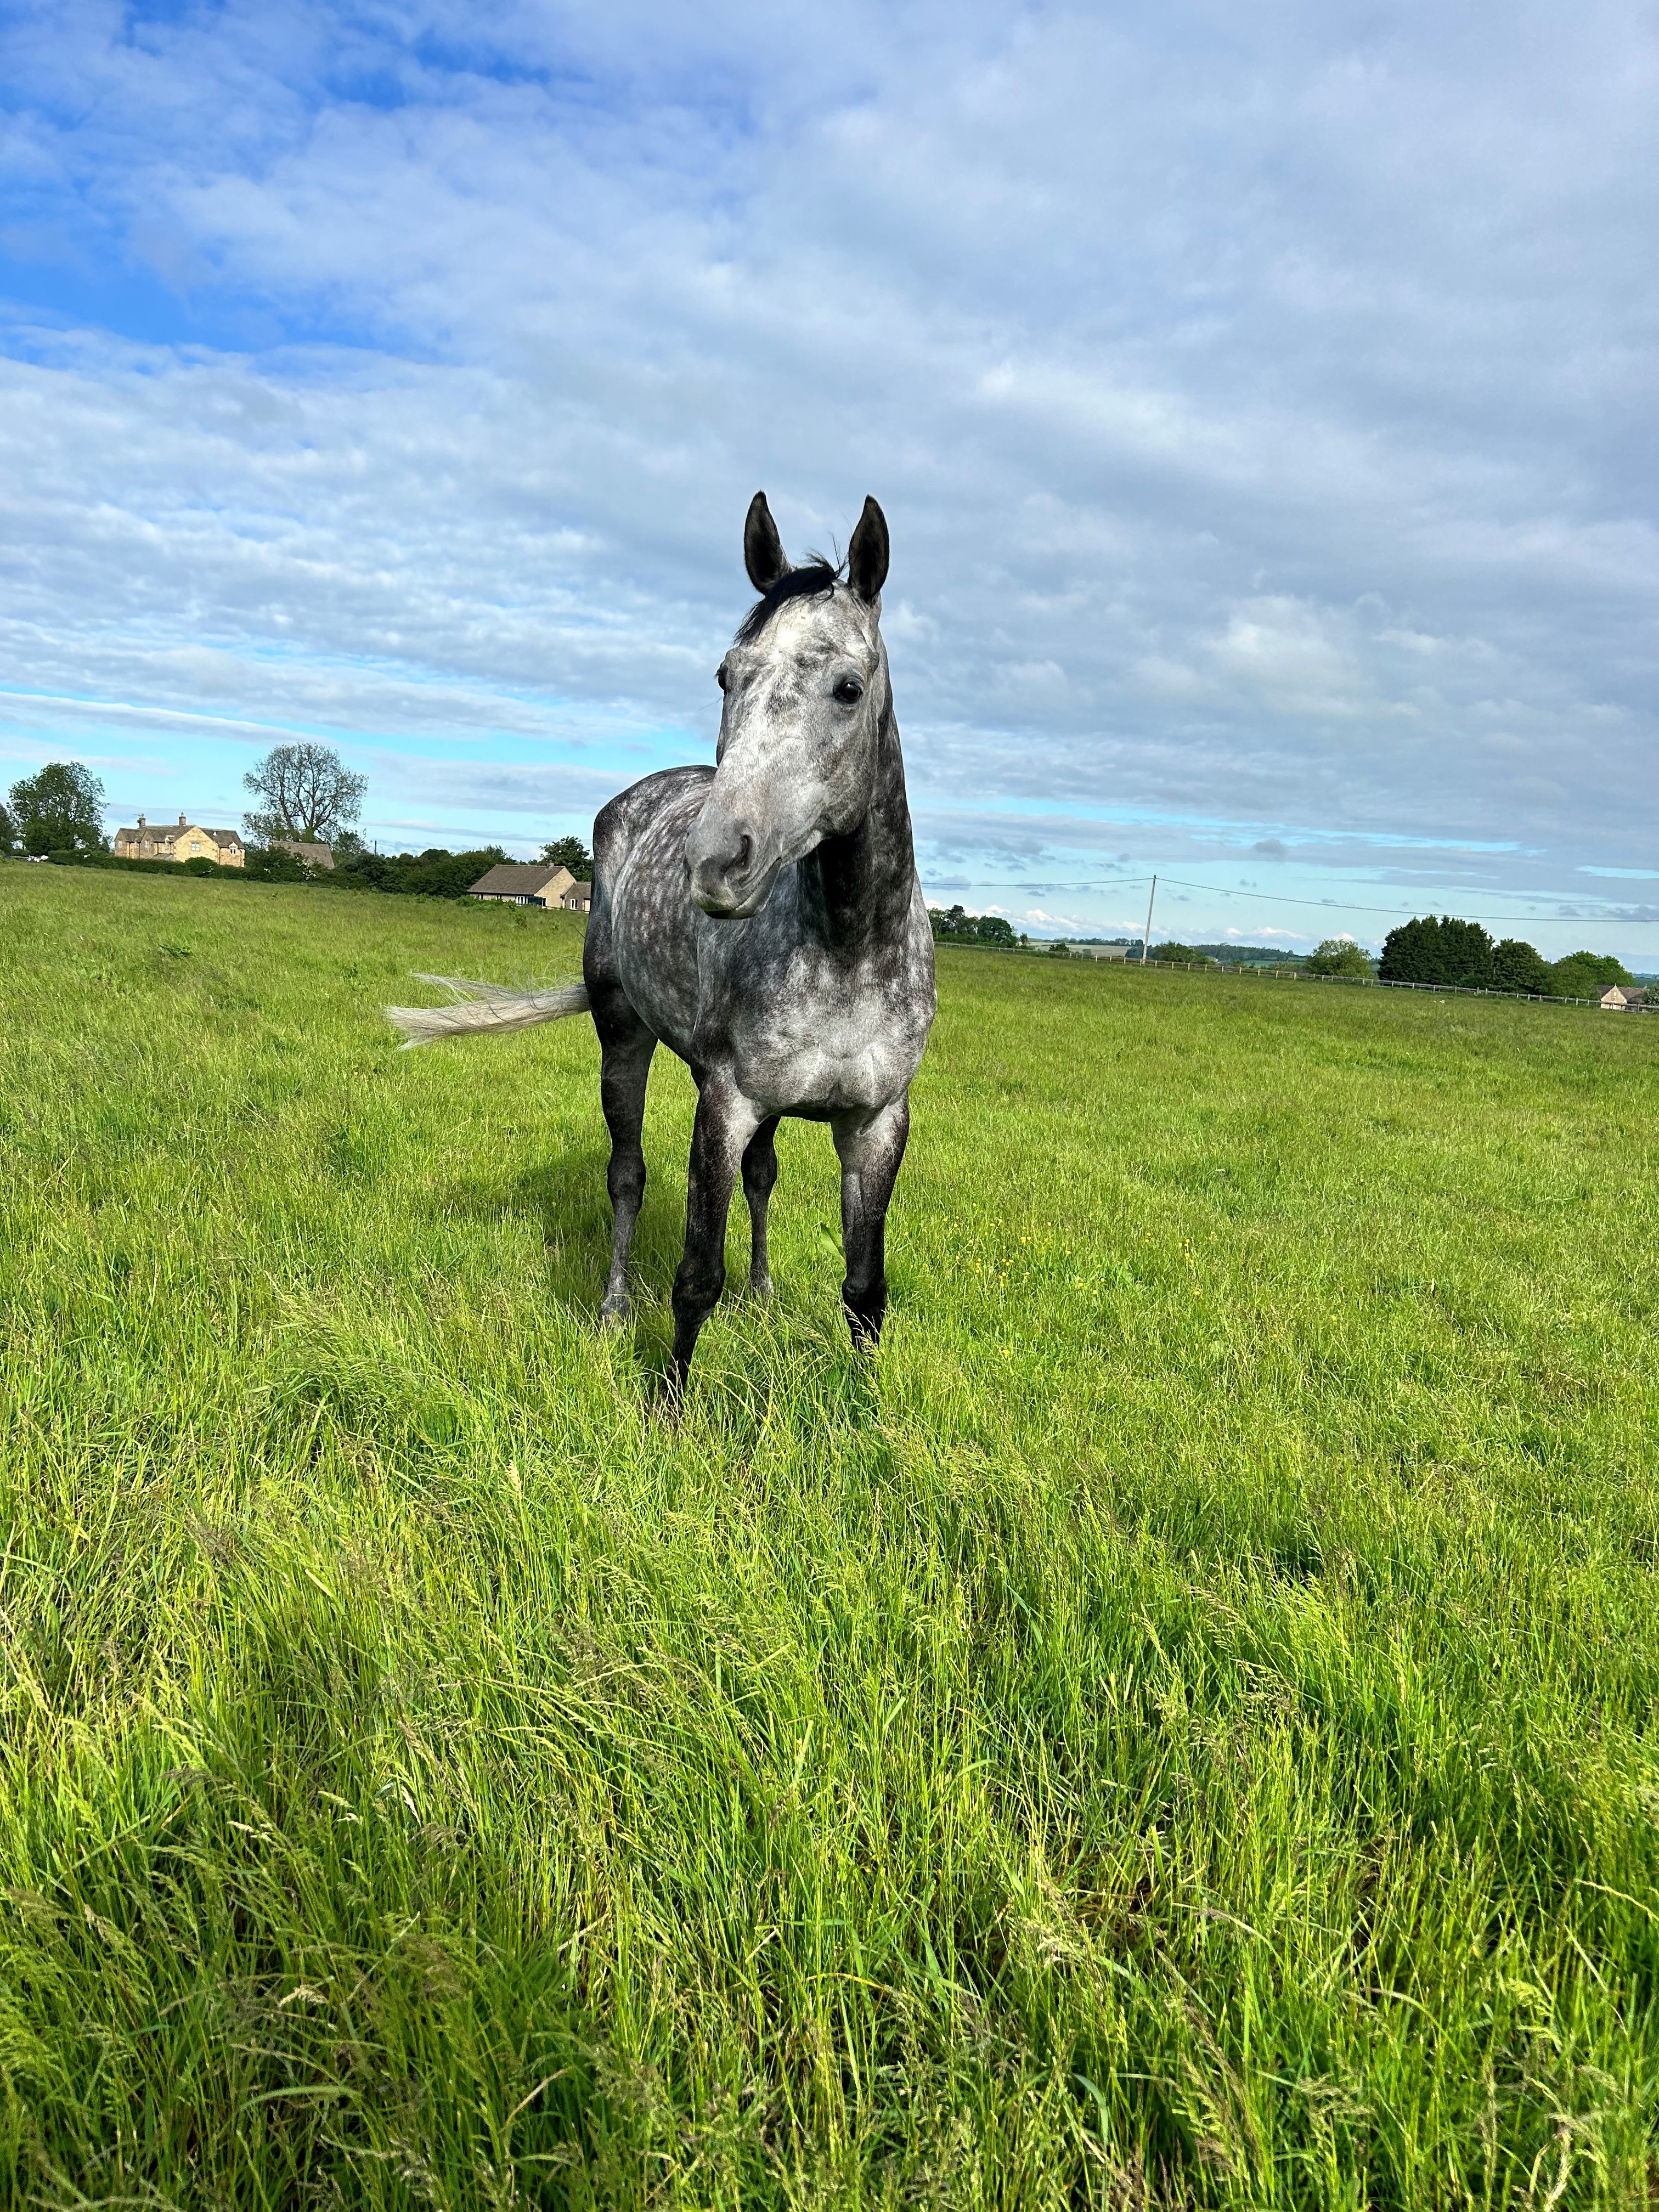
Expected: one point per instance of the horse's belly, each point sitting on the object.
(664, 994)
(652, 924)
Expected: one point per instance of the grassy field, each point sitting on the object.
(1174, 1729)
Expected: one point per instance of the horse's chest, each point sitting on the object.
(824, 1041)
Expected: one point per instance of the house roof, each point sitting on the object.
(172, 831)
(517, 879)
(579, 891)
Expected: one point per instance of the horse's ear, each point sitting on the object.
(866, 556)
(762, 548)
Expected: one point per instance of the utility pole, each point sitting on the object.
(1147, 939)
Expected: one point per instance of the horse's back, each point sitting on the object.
(622, 821)
(641, 940)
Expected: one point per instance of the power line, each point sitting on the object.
(1283, 898)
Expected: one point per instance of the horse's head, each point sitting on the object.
(805, 686)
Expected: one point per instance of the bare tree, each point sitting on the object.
(310, 795)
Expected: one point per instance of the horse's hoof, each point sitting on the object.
(668, 1398)
(613, 1314)
(864, 1322)
(760, 1290)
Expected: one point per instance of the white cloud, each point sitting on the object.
(1261, 418)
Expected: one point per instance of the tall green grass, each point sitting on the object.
(1176, 1728)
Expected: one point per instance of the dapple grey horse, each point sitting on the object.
(763, 919)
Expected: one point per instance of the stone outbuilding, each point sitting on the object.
(526, 883)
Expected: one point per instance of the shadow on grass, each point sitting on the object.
(565, 1200)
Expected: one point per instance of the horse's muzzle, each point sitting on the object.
(727, 879)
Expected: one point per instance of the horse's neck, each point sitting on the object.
(855, 892)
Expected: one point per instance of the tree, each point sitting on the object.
(1338, 956)
(436, 873)
(992, 929)
(309, 793)
(570, 852)
(270, 864)
(1518, 966)
(1586, 975)
(1447, 951)
(7, 831)
(1176, 952)
(60, 811)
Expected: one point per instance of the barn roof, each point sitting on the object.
(516, 879)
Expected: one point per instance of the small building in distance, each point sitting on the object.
(314, 856)
(1098, 951)
(188, 841)
(534, 883)
(525, 883)
(1623, 998)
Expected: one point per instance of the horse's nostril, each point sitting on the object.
(721, 857)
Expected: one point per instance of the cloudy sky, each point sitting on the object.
(1262, 401)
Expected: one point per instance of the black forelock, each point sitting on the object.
(813, 579)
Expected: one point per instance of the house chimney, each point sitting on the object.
(181, 822)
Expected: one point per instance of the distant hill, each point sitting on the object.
(1247, 955)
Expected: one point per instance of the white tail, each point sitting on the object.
(483, 1006)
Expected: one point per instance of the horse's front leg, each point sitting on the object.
(726, 1122)
(871, 1147)
(760, 1172)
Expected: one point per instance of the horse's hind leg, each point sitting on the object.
(626, 1047)
(871, 1147)
(760, 1172)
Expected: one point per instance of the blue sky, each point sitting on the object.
(1261, 409)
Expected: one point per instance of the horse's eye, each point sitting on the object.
(719, 675)
(848, 690)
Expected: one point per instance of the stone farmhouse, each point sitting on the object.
(1622, 999)
(534, 883)
(151, 840)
